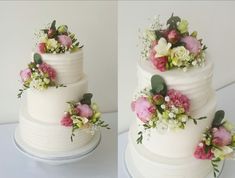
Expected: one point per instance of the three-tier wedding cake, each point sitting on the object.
(58, 119)
(175, 104)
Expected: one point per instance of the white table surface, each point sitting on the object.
(225, 101)
(101, 164)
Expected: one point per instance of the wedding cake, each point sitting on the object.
(57, 119)
(175, 104)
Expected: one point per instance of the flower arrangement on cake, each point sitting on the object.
(82, 114)
(57, 40)
(218, 142)
(162, 108)
(38, 75)
(173, 46)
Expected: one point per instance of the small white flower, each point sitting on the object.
(65, 113)
(163, 106)
(37, 65)
(194, 63)
(84, 120)
(167, 98)
(175, 109)
(162, 128)
(171, 115)
(185, 69)
(200, 144)
(184, 118)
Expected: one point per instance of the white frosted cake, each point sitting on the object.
(163, 138)
(170, 155)
(57, 118)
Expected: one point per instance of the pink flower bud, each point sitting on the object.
(160, 63)
(51, 33)
(66, 120)
(173, 36)
(42, 47)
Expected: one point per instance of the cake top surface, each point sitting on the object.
(56, 40)
(172, 46)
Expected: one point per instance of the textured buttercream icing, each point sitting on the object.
(52, 138)
(196, 83)
(150, 165)
(49, 105)
(68, 66)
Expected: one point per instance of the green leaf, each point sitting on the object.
(86, 98)
(219, 116)
(37, 58)
(158, 34)
(158, 85)
(172, 21)
(201, 118)
(53, 25)
(140, 138)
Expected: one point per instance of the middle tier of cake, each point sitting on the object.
(181, 142)
(49, 106)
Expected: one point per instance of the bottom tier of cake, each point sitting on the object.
(142, 163)
(51, 138)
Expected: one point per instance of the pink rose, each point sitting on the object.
(192, 44)
(221, 137)
(200, 152)
(47, 69)
(173, 36)
(160, 63)
(42, 47)
(143, 108)
(25, 74)
(66, 120)
(65, 40)
(84, 110)
(178, 99)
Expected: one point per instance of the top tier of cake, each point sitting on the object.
(68, 66)
(196, 83)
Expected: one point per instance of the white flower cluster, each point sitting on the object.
(39, 82)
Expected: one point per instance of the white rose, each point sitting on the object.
(51, 44)
(179, 56)
(162, 48)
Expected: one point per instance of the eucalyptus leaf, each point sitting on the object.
(37, 58)
(53, 27)
(172, 21)
(86, 98)
(219, 116)
(158, 85)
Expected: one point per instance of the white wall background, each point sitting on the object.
(213, 20)
(95, 24)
